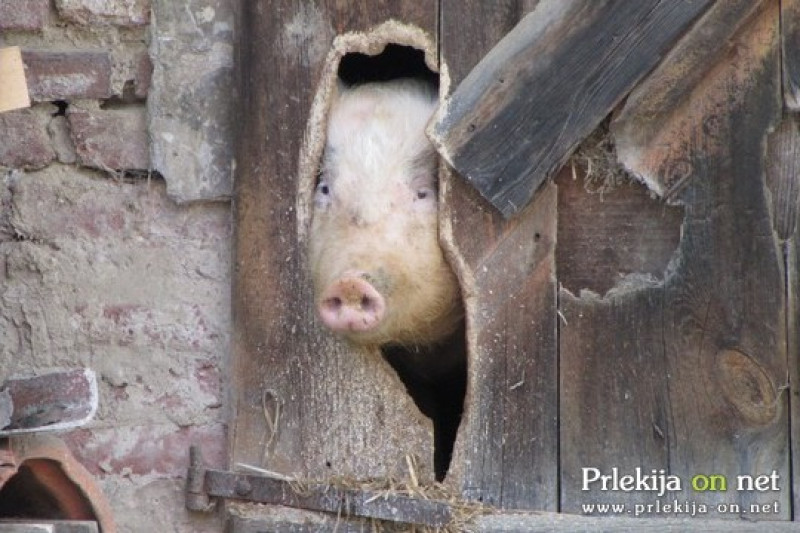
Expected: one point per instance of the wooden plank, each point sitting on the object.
(307, 522)
(305, 404)
(513, 122)
(506, 451)
(613, 412)
(790, 34)
(287, 520)
(783, 176)
(612, 375)
(783, 181)
(565, 523)
(640, 122)
(792, 258)
(715, 332)
(13, 86)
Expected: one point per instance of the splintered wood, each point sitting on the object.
(514, 120)
(689, 376)
(13, 87)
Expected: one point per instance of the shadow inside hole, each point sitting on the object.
(436, 379)
(396, 61)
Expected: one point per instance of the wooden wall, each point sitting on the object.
(683, 368)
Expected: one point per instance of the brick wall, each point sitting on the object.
(115, 233)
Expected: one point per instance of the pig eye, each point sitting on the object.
(322, 194)
(425, 193)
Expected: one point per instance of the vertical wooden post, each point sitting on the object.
(506, 452)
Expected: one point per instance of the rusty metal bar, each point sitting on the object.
(203, 485)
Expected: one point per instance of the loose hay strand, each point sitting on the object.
(462, 512)
(597, 158)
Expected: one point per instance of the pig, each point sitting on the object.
(379, 273)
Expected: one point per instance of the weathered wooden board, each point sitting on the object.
(506, 451)
(783, 176)
(691, 376)
(792, 256)
(242, 522)
(567, 523)
(783, 181)
(305, 404)
(640, 122)
(13, 86)
(612, 369)
(515, 119)
(790, 34)
(613, 413)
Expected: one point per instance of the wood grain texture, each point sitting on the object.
(783, 176)
(614, 412)
(672, 83)
(515, 119)
(612, 237)
(701, 362)
(655, 153)
(505, 454)
(790, 35)
(791, 251)
(568, 523)
(783, 151)
(305, 404)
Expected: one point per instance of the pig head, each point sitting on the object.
(379, 273)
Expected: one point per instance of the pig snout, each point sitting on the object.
(351, 304)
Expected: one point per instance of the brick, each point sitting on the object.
(24, 142)
(147, 449)
(113, 139)
(23, 14)
(105, 12)
(56, 75)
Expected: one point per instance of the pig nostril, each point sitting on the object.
(334, 302)
(366, 303)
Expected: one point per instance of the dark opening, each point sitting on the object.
(61, 108)
(436, 379)
(40, 490)
(434, 376)
(396, 61)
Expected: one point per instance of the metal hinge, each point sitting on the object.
(204, 487)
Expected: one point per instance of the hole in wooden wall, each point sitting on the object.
(434, 376)
(396, 61)
(612, 237)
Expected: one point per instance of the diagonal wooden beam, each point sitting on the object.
(515, 119)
